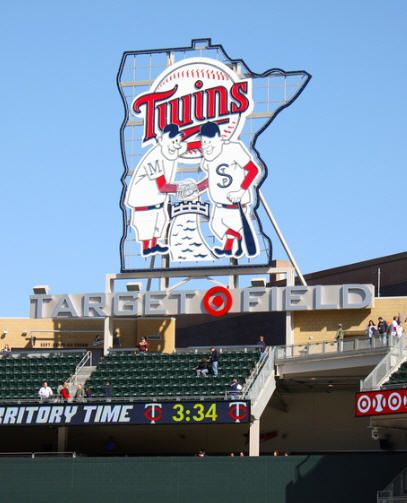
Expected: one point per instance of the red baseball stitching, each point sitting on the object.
(202, 73)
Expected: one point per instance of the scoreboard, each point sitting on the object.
(126, 413)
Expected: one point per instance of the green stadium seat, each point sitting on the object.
(161, 375)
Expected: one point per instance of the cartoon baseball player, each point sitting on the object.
(231, 174)
(152, 181)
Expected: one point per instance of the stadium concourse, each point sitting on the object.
(293, 417)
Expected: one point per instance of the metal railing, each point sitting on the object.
(396, 355)
(256, 370)
(396, 491)
(38, 353)
(224, 395)
(33, 455)
(86, 360)
(331, 347)
(264, 384)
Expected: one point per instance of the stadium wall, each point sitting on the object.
(293, 479)
(322, 325)
(168, 333)
(299, 421)
(81, 333)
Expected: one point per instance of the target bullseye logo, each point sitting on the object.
(364, 403)
(217, 301)
(395, 401)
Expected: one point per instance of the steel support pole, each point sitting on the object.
(254, 438)
(281, 237)
(108, 322)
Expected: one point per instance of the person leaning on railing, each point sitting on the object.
(234, 389)
(80, 393)
(371, 331)
(340, 334)
(143, 346)
(45, 392)
(382, 329)
(64, 392)
(6, 351)
(261, 346)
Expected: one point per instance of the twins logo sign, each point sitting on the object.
(192, 194)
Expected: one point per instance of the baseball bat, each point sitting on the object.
(247, 234)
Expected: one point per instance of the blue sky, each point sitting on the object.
(336, 157)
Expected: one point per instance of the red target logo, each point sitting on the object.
(363, 404)
(217, 301)
(395, 401)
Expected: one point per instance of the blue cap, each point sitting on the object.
(172, 130)
(210, 129)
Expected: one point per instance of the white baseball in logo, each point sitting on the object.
(206, 90)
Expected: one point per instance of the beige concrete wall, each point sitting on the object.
(316, 326)
(160, 332)
(315, 421)
(81, 333)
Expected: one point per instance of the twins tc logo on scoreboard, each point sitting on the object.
(192, 174)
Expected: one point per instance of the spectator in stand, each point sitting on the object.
(261, 346)
(45, 392)
(235, 389)
(202, 368)
(65, 392)
(111, 446)
(89, 392)
(80, 393)
(117, 343)
(382, 329)
(201, 453)
(108, 390)
(393, 326)
(213, 360)
(33, 340)
(340, 334)
(143, 346)
(6, 351)
(371, 331)
(98, 341)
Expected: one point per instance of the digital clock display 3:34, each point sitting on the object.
(230, 412)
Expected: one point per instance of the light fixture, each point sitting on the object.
(133, 287)
(41, 289)
(258, 282)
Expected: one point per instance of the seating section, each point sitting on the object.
(153, 374)
(399, 377)
(21, 376)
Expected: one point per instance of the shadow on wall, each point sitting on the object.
(343, 477)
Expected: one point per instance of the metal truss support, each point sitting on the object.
(281, 237)
(108, 322)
